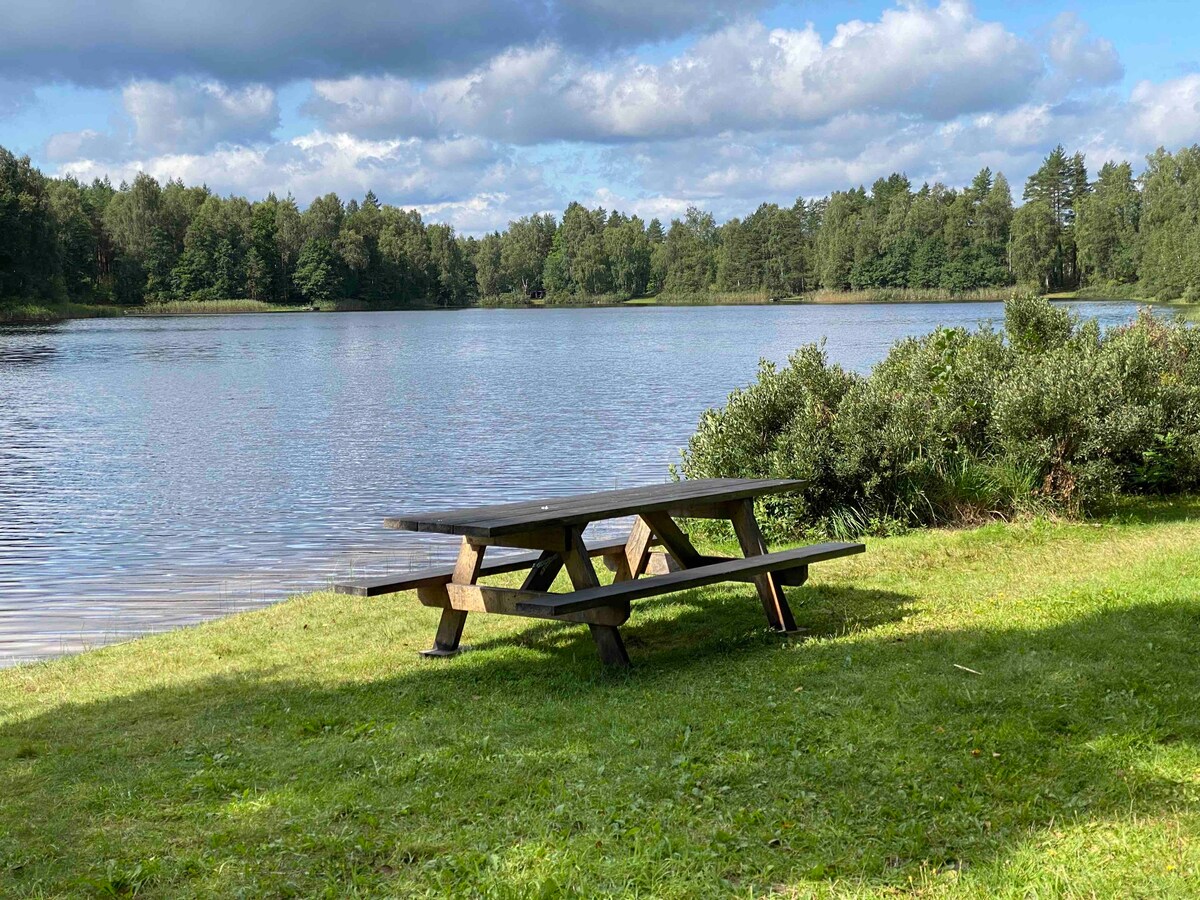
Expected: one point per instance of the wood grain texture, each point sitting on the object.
(470, 561)
(770, 590)
(633, 561)
(579, 509)
(505, 601)
(676, 542)
(543, 572)
(713, 573)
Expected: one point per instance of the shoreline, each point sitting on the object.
(32, 314)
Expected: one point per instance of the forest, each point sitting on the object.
(146, 242)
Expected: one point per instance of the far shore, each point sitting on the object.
(39, 313)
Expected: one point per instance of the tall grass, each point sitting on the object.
(906, 295)
(14, 312)
(215, 307)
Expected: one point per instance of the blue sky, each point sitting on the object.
(476, 112)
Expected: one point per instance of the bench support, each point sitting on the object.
(770, 590)
(579, 567)
(449, 633)
(610, 646)
(450, 628)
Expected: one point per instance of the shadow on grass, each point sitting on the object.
(726, 758)
(1154, 510)
(667, 633)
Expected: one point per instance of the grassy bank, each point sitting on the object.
(46, 313)
(218, 308)
(34, 313)
(1004, 712)
(907, 295)
(1111, 291)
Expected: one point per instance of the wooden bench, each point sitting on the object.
(794, 562)
(554, 528)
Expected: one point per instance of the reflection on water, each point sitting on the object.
(155, 472)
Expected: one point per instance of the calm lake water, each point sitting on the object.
(155, 472)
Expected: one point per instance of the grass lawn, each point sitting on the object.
(306, 749)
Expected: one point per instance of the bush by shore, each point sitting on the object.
(957, 427)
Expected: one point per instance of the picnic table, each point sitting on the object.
(553, 529)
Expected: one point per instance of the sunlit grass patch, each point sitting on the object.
(999, 712)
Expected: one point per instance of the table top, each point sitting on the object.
(580, 509)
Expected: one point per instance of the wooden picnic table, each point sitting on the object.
(554, 528)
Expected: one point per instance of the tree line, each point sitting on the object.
(147, 242)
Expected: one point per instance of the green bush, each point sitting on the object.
(958, 427)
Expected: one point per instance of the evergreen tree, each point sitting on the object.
(1107, 224)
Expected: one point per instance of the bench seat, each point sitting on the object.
(620, 592)
(436, 575)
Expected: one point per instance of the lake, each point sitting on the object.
(158, 471)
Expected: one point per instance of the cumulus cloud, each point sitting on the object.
(273, 41)
(180, 116)
(741, 114)
(1080, 57)
(935, 62)
(1167, 113)
(481, 181)
(190, 116)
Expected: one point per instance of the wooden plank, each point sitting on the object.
(655, 499)
(449, 633)
(770, 590)
(578, 563)
(553, 537)
(607, 638)
(435, 575)
(470, 561)
(543, 572)
(504, 601)
(684, 579)
(610, 646)
(632, 562)
(676, 542)
(509, 518)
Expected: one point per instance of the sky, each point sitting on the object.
(478, 112)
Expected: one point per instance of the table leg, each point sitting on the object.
(770, 591)
(449, 632)
(450, 628)
(579, 568)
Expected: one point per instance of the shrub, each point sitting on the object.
(958, 427)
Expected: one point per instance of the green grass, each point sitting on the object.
(907, 295)
(306, 750)
(38, 312)
(215, 307)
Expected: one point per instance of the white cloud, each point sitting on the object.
(473, 185)
(191, 116)
(177, 117)
(1167, 113)
(932, 62)
(1079, 57)
(743, 114)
